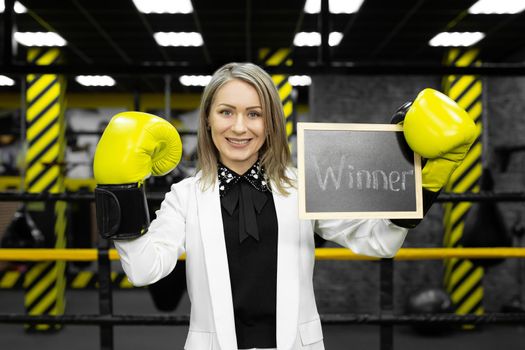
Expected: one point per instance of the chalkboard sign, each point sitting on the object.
(357, 171)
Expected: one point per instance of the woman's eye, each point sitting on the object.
(254, 114)
(226, 113)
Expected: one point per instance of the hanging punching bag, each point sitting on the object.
(429, 301)
(484, 224)
(22, 232)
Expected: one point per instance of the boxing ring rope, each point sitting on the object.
(44, 254)
(331, 319)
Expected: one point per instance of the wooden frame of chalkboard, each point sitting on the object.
(357, 171)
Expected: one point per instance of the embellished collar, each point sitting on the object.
(254, 176)
(248, 195)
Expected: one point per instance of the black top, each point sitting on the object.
(247, 205)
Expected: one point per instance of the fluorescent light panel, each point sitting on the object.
(314, 39)
(164, 6)
(39, 39)
(178, 39)
(334, 6)
(486, 7)
(300, 80)
(19, 8)
(6, 81)
(344, 6)
(195, 80)
(95, 80)
(456, 39)
(335, 38)
(307, 39)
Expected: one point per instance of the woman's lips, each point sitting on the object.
(238, 142)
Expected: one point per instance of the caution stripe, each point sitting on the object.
(281, 57)
(41, 86)
(470, 162)
(80, 280)
(45, 282)
(462, 278)
(455, 233)
(474, 111)
(10, 279)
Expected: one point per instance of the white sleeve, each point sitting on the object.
(373, 237)
(152, 256)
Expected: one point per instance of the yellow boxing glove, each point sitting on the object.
(133, 146)
(438, 129)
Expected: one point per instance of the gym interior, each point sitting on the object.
(68, 67)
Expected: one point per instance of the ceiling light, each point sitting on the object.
(307, 39)
(195, 80)
(95, 80)
(39, 39)
(314, 39)
(163, 6)
(344, 6)
(312, 6)
(6, 81)
(19, 8)
(335, 6)
(499, 7)
(300, 80)
(456, 39)
(335, 38)
(178, 39)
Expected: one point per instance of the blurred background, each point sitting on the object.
(68, 66)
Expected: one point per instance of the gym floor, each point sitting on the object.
(138, 301)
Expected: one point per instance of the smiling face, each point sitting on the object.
(237, 125)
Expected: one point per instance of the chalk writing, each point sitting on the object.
(361, 179)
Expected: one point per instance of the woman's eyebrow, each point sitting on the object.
(227, 105)
(232, 106)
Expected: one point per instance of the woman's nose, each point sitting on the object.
(239, 125)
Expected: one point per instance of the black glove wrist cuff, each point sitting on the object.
(429, 198)
(122, 211)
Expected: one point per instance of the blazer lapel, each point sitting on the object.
(287, 269)
(211, 226)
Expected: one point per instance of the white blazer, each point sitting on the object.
(190, 221)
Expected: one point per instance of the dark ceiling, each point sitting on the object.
(113, 32)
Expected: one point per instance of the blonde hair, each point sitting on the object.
(274, 154)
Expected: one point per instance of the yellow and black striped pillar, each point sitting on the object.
(281, 57)
(78, 280)
(462, 279)
(45, 282)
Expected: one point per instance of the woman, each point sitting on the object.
(249, 258)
